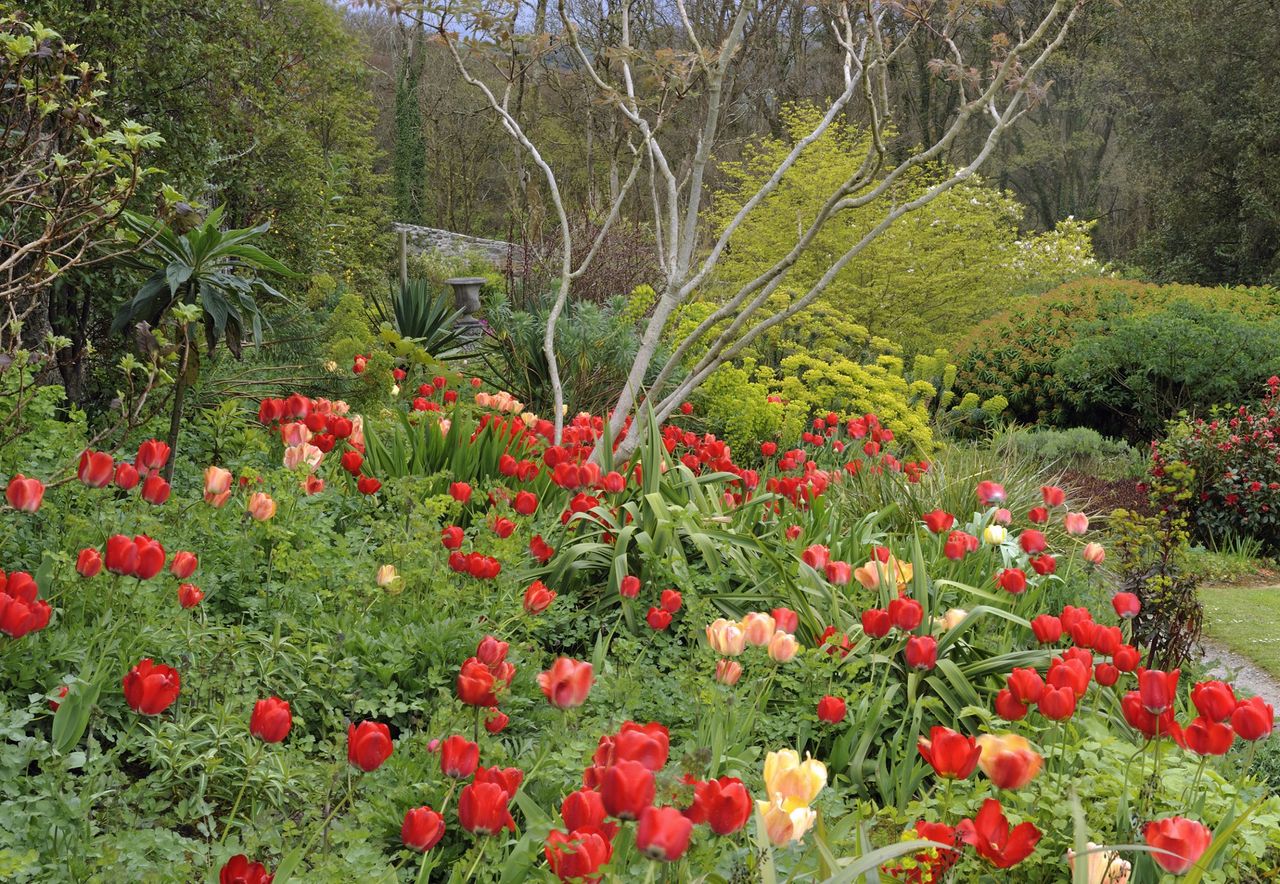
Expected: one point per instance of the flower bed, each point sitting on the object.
(428, 644)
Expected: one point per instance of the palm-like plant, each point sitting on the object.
(214, 270)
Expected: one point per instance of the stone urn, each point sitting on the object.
(466, 297)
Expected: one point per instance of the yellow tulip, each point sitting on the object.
(1008, 760)
(786, 775)
(786, 821)
(1104, 866)
(995, 534)
(726, 637)
(758, 628)
(952, 618)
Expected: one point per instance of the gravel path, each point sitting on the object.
(1240, 672)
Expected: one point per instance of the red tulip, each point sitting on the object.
(451, 537)
(658, 619)
(460, 491)
(88, 563)
(184, 564)
(122, 555)
(490, 651)
(831, 709)
(648, 744)
(938, 521)
(1179, 842)
(1032, 542)
(670, 601)
(584, 809)
(1214, 700)
(368, 745)
(1057, 704)
(1126, 604)
(876, 622)
(768, 449)
(989, 493)
(127, 477)
(577, 856)
(1048, 629)
(352, 461)
(905, 613)
(1157, 689)
(368, 485)
(1253, 719)
(816, 556)
(723, 804)
(24, 494)
(951, 755)
(189, 595)
(1141, 720)
(150, 557)
(537, 598)
(1106, 674)
(503, 527)
(422, 829)
(567, 683)
(613, 482)
(1012, 580)
(509, 778)
(921, 652)
(151, 689)
(1038, 515)
(1126, 658)
(476, 684)
(525, 503)
(96, 468)
(1044, 564)
(629, 588)
(1009, 707)
(1207, 737)
(271, 720)
(839, 573)
(20, 611)
(627, 789)
(540, 549)
(1027, 685)
(1053, 495)
(496, 722)
(785, 619)
(992, 838)
(1070, 673)
(458, 757)
(152, 456)
(239, 870)
(663, 833)
(482, 809)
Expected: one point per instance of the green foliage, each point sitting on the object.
(934, 271)
(1121, 357)
(410, 155)
(1083, 449)
(207, 267)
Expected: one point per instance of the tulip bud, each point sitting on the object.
(728, 671)
(1094, 553)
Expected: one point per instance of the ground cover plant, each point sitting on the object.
(424, 643)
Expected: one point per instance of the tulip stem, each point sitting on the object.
(424, 866)
(480, 851)
(235, 805)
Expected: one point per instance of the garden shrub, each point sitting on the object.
(929, 274)
(1081, 447)
(1165, 341)
(1235, 457)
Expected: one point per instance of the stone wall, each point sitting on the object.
(423, 239)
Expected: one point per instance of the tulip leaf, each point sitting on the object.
(288, 865)
(72, 718)
(852, 869)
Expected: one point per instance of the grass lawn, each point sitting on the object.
(1245, 620)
